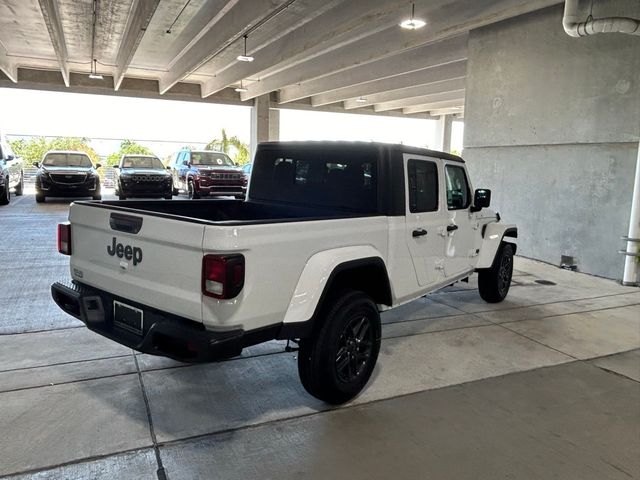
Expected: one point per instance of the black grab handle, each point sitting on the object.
(125, 223)
(451, 228)
(419, 232)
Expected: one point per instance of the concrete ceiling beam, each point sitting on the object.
(426, 56)
(329, 27)
(139, 17)
(51, 15)
(457, 112)
(445, 19)
(454, 95)
(433, 107)
(443, 87)
(425, 76)
(7, 66)
(226, 27)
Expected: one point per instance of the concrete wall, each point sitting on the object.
(552, 125)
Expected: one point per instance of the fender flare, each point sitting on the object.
(493, 235)
(317, 274)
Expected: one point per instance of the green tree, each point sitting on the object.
(232, 146)
(127, 147)
(33, 150)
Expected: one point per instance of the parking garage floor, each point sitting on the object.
(544, 385)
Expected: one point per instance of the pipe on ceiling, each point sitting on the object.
(576, 28)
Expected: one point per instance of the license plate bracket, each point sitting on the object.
(128, 317)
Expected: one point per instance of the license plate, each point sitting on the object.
(127, 317)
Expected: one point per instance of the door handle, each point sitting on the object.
(419, 232)
(451, 228)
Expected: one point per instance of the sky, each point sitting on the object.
(167, 125)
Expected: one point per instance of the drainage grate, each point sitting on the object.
(545, 282)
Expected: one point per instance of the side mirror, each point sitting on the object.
(36, 164)
(481, 199)
(168, 167)
(98, 165)
(10, 157)
(116, 166)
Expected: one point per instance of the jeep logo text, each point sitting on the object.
(125, 251)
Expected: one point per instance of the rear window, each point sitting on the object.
(335, 179)
(67, 160)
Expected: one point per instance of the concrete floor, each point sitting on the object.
(544, 385)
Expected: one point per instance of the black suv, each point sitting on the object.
(142, 176)
(11, 175)
(67, 174)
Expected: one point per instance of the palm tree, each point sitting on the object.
(232, 146)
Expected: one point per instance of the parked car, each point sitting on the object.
(330, 235)
(142, 176)
(67, 174)
(205, 173)
(11, 173)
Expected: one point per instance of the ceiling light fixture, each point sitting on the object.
(94, 63)
(361, 100)
(245, 57)
(413, 23)
(241, 88)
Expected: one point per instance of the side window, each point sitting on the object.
(458, 196)
(423, 186)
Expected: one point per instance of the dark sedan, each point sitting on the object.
(142, 176)
(67, 174)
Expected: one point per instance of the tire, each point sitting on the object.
(168, 196)
(20, 186)
(191, 191)
(5, 197)
(337, 361)
(494, 282)
(97, 196)
(40, 198)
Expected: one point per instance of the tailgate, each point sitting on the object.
(159, 266)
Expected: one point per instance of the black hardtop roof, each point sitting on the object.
(392, 147)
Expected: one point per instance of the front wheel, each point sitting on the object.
(5, 197)
(191, 190)
(40, 198)
(97, 196)
(494, 282)
(337, 361)
(20, 186)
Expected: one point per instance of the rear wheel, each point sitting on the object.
(337, 361)
(494, 282)
(20, 186)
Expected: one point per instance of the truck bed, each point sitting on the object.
(225, 212)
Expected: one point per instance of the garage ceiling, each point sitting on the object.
(327, 54)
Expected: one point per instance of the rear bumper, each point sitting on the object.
(163, 333)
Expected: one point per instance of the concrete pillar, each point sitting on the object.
(259, 122)
(444, 126)
(274, 125)
(265, 122)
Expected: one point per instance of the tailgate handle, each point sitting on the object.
(125, 223)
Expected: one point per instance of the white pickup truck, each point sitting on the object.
(330, 235)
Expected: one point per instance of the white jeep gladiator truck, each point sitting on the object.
(330, 235)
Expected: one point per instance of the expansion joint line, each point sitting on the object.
(162, 475)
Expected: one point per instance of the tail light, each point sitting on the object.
(222, 275)
(64, 238)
